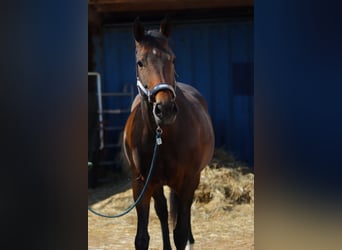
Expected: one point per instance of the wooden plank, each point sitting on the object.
(149, 5)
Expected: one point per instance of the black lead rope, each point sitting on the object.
(155, 151)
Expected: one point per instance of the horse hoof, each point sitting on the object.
(189, 246)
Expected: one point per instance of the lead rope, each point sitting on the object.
(158, 142)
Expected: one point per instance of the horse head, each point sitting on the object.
(156, 71)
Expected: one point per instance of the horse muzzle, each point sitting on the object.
(165, 110)
(165, 113)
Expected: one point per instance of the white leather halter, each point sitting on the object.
(150, 94)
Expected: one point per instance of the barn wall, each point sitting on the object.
(215, 57)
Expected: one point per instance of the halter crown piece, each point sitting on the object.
(150, 94)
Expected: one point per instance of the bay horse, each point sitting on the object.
(181, 113)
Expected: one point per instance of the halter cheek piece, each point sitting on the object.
(149, 95)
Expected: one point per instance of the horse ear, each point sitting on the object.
(165, 27)
(138, 30)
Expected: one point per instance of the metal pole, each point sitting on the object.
(99, 100)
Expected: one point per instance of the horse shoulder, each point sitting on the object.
(192, 93)
(136, 102)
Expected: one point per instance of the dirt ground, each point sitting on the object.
(222, 212)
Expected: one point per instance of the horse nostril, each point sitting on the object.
(158, 108)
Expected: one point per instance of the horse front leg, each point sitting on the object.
(196, 183)
(191, 237)
(160, 206)
(182, 231)
(142, 237)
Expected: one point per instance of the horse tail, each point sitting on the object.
(173, 207)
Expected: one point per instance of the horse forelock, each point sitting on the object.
(153, 38)
(156, 34)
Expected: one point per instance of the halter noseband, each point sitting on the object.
(150, 94)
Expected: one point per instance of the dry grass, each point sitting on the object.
(222, 213)
(225, 182)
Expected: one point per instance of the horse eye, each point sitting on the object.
(140, 64)
(174, 61)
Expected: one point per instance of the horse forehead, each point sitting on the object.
(155, 51)
(154, 46)
(161, 53)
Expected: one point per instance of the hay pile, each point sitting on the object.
(224, 184)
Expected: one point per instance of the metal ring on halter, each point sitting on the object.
(159, 130)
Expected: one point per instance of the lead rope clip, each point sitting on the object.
(158, 137)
